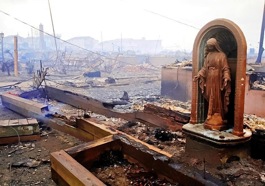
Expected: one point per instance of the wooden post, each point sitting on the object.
(15, 57)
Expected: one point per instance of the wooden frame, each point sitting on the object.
(68, 165)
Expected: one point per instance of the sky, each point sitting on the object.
(175, 22)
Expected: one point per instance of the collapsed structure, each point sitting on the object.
(111, 147)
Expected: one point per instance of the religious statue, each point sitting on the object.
(215, 84)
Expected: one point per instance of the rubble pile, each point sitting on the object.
(163, 139)
(259, 85)
(181, 64)
(254, 122)
(139, 68)
(165, 103)
(113, 169)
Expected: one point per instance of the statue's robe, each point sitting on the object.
(212, 75)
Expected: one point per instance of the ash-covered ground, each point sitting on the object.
(27, 163)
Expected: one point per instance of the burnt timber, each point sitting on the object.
(41, 112)
(66, 164)
(23, 106)
(87, 103)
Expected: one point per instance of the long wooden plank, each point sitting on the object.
(151, 147)
(68, 129)
(86, 153)
(156, 120)
(174, 115)
(27, 108)
(98, 131)
(157, 164)
(88, 103)
(32, 109)
(89, 145)
(135, 151)
(71, 171)
(83, 102)
(16, 139)
(24, 103)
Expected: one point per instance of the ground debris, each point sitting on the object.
(254, 122)
(113, 169)
(258, 85)
(164, 135)
(180, 64)
(31, 163)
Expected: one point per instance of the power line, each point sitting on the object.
(60, 38)
(171, 19)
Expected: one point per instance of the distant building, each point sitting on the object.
(140, 46)
(83, 42)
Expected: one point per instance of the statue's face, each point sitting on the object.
(210, 47)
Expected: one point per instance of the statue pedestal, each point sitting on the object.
(215, 147)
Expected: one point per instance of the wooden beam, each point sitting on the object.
(85, 146)
(150, 147)
(68, 129)
(16, 139)
(88, 152)
(71, 171)
(97, 130)
(134, 151)
(27, 108)
(88, 103)
(83, 102)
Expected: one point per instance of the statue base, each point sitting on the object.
(215, 147)
(215, 122)
(214, 127)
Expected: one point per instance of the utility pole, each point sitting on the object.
(261, 49)
(53, 31)
(101, 42)
(15, 57)
(2, 46)
(121, 42)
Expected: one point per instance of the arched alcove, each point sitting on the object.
(233, 43)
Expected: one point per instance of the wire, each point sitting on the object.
(61, 39)
(85, 48)
(17, 134)
(171, 19)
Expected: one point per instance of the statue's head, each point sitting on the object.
(212, 45)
